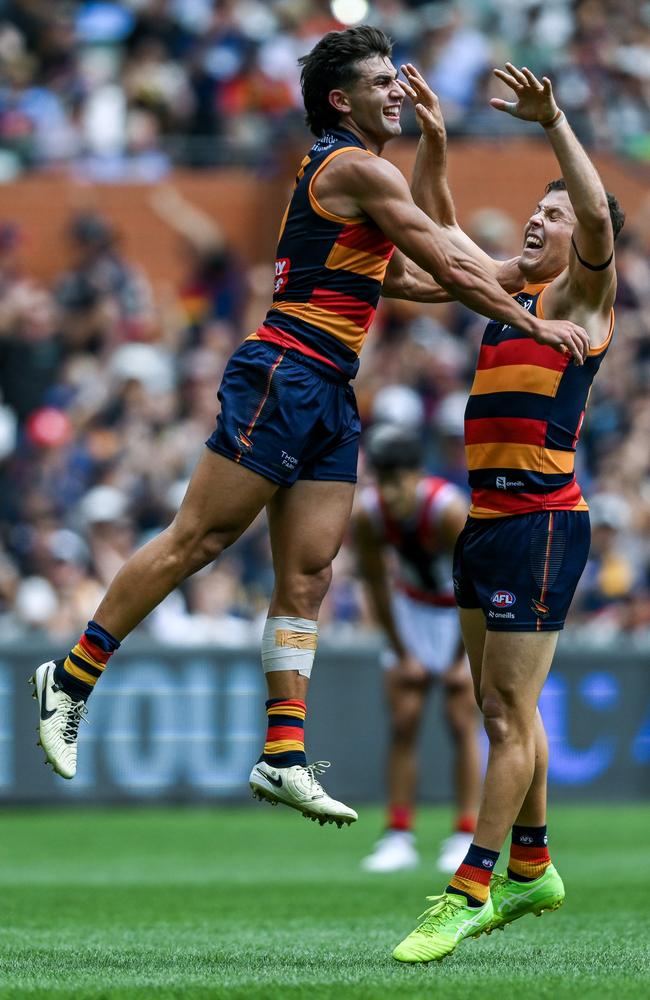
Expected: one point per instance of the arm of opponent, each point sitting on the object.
(591, 276)
(372, 570)
(380, 191)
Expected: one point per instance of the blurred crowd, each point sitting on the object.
(122, 90)
(108, 391)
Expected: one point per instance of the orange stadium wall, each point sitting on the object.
(508, 175)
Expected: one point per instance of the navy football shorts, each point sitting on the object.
(522, 570)
(282, 417)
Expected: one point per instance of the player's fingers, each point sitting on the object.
(507, 79)
(500, 105)
(548, 86)
(517, 73)
(532, 79)
(411, 70)
(407, 90)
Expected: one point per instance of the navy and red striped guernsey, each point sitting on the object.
(523, 420)
(328, 271)
(423, 565)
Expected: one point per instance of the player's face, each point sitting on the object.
(398, 491)
(375, 100)
(547, 237)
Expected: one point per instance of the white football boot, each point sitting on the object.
(59, 718)
(394, 852)
(453, 851)
(299, 788)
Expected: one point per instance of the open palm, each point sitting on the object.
(535, 101)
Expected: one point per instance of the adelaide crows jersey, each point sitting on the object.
(523, 420)
(328, 272)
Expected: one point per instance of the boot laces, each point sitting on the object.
(76, 712)
(437, 914)
(311, 770)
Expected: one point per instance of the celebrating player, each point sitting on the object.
(417, 519)
(521, 554)
(287, 433)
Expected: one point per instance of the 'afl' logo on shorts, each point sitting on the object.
(502, 599)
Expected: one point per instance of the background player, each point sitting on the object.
(287, 434)
(521, 554)
(415, 519)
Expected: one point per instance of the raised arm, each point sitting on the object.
(591, 276)
(376, 188)
(429, 184)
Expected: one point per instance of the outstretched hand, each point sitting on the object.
(563, 336)
(535, 101)
(427, 106)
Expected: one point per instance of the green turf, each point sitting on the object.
(259, 904)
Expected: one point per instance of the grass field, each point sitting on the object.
(258, 904)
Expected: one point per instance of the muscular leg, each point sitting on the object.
(406, 700)
(462, 722)
(533, 809)
(515, 667)
(222, 499)
(307, 523)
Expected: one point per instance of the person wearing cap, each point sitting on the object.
(414, 519)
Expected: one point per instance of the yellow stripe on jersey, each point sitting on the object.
(347, 259)
(519, 456)
(516, 378)
(344, 329)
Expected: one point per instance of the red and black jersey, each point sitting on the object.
(424, 564)
(328, 272)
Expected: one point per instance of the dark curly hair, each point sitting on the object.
(333, 63)
(616, 213)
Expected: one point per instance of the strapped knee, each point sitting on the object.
(289, 644)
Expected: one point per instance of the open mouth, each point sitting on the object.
(393, 112)
(533, 242)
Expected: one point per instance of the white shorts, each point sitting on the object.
(429, 633)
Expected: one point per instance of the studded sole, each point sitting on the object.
(264, 795)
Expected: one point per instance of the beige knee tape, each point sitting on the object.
(289, 644)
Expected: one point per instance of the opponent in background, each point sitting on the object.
(404, 531)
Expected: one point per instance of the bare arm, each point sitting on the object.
(380, 191)
(429, 184)
(405, 280)
(372, 570)
(593, 237)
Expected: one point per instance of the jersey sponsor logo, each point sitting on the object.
(541, 610)
(503, 599)
(500, 614)
(288, 461)
(503, 483)
(282, 268)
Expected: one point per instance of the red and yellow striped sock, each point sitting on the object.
(472, 879)
(285, 735)
(529, 857)
(85, 663)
